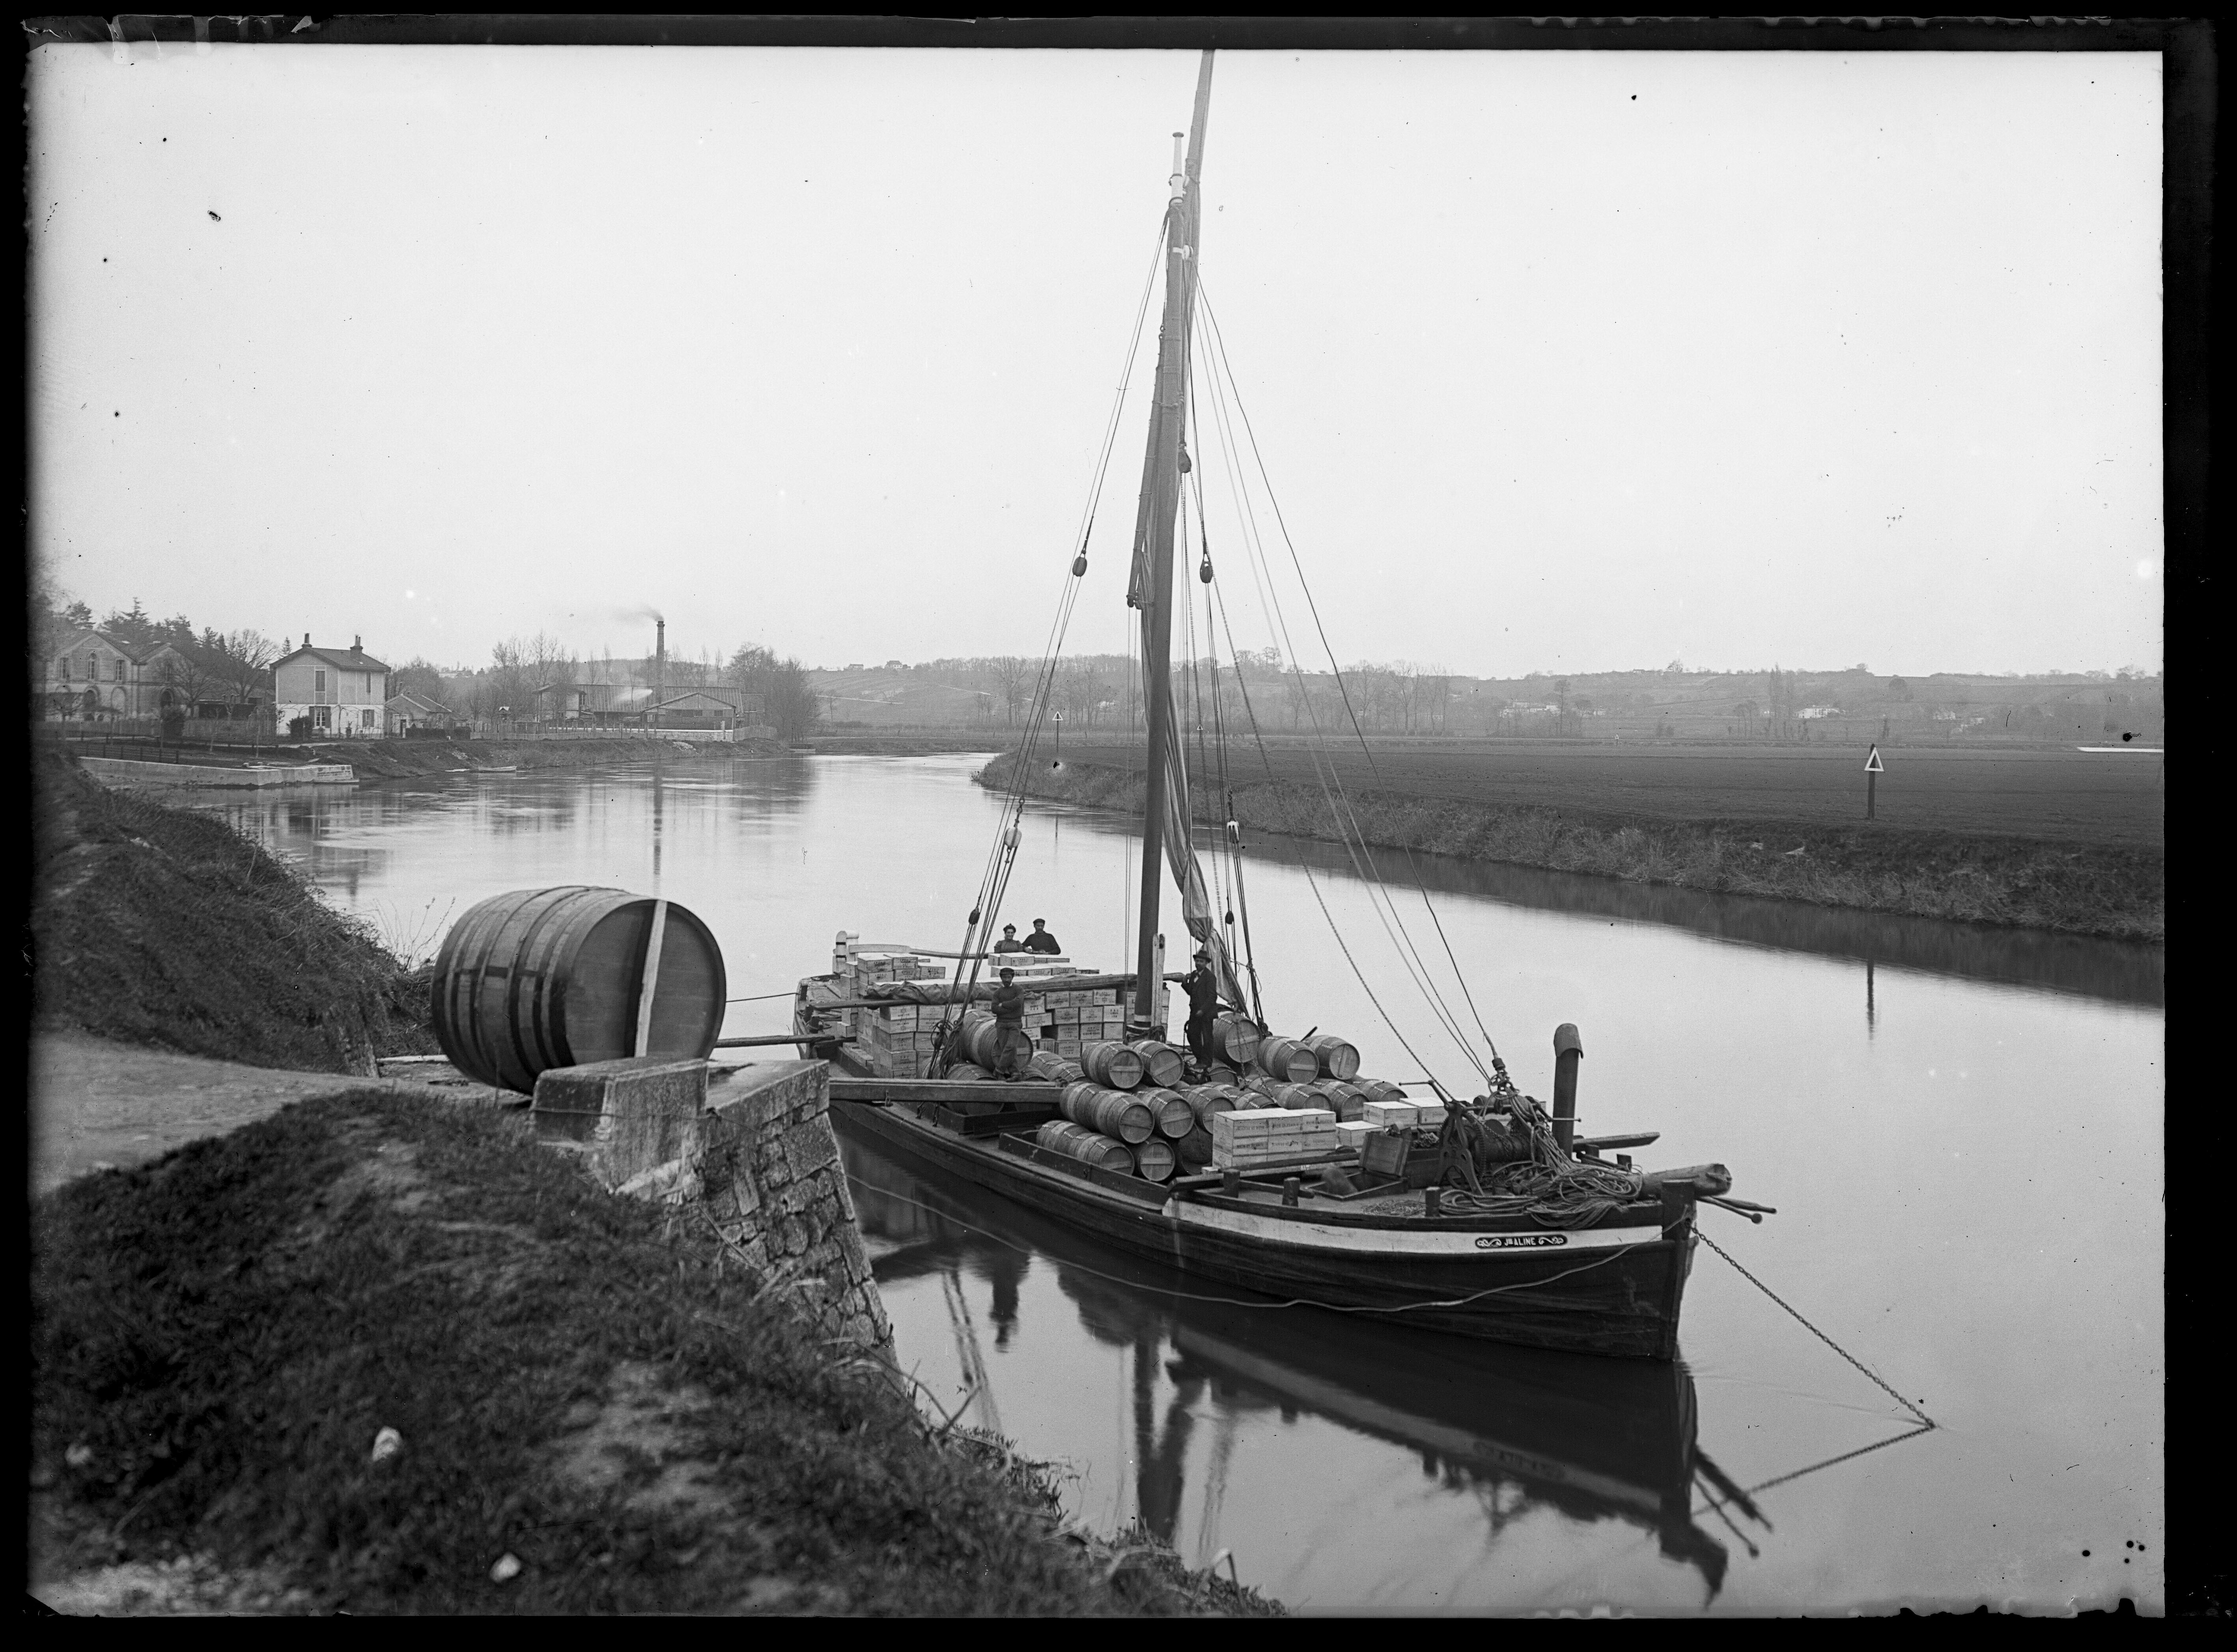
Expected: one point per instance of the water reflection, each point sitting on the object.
(2123, 972)
(1513, 1432)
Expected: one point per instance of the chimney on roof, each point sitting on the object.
(306, 639)
(357, 645)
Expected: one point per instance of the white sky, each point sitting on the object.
(1559, 361)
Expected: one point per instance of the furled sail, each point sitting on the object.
(1180, 855)
(1149, 588)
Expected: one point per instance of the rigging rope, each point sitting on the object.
(1224, 369)
(1002, 856)
(1876, 1380)
(1370, 877)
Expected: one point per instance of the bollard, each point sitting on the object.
(1568, 1050)
(1432, 1201)
(1290, 1185)
(1231, 1181)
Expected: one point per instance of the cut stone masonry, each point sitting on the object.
(755, 1150)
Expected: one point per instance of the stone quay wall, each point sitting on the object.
(754, 1151)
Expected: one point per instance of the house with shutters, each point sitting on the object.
(336, 693)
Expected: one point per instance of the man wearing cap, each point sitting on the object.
(1009, 942)
(1041, 940)
(1203, 989)
(1009, 1007)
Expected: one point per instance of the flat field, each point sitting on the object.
(2112, 799)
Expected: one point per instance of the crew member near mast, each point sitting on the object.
(1009, 1007)
(1041, 940)
(1203, 989)
(1009, 942)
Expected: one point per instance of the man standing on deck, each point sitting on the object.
(1203, 989)
(1009, 942)
(1009, 1008)
(1041, 941)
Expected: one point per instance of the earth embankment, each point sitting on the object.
(594, 1407)
(2032, 840)
(166, 927)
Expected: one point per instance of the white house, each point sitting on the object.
(341, 692)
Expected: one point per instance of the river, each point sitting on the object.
(1960, 1130)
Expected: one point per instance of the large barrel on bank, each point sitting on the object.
(1288, 1061)
(1108, 1062)
(1235, 1038)
(1378, 1090)
(1161, 1062)
(1337, 1057)
(544, 978)
(1075, 1142)
(1113, 1113)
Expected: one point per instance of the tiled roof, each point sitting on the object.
(338, 656)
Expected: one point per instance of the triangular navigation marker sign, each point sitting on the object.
(1873, 765)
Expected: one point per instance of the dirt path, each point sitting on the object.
(96, 1103)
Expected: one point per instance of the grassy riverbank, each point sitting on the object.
(583, 1384)
(166, 927)
(2081, 888)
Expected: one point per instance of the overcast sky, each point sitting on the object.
(1558, 360)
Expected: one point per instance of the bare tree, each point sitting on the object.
(246, 667)
(1014, 677)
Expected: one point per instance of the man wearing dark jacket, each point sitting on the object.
(1203, 989)
(1009, 1008)
(1041, 940)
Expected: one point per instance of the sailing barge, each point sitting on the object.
(1252, 1163)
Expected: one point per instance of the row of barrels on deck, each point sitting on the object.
(1154, 1132)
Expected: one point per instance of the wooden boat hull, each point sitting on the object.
(1612, 1290)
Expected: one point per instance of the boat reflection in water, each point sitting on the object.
(1518, 1428)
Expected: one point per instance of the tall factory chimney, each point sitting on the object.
(659, 667)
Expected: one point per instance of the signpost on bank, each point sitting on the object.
(1873, 770)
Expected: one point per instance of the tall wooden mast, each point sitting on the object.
(1153, 531)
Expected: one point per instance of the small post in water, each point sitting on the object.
(1568, 1051)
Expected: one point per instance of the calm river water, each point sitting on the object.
(1960, 1132)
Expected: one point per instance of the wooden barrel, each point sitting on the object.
(1235, 1037)
(1155, 1160)
(1161, 1063)
(1287, 1061)
(1205, 1099)
(967, 1070)
(544, 978)
(1256, 1084)
(1050, 1068)
(1075, 1142)
(1110, 1062)
(1194, 1149)
(1378, 1090)
(985, 1040)
(1337, 1059)
(1171, 1108)
(1346, 1102)
(1114, 1112)
(1297, 1097)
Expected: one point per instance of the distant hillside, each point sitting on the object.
(991, 696)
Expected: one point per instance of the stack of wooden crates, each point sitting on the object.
(894, 1041)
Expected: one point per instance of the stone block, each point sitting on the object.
(631, 1114)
